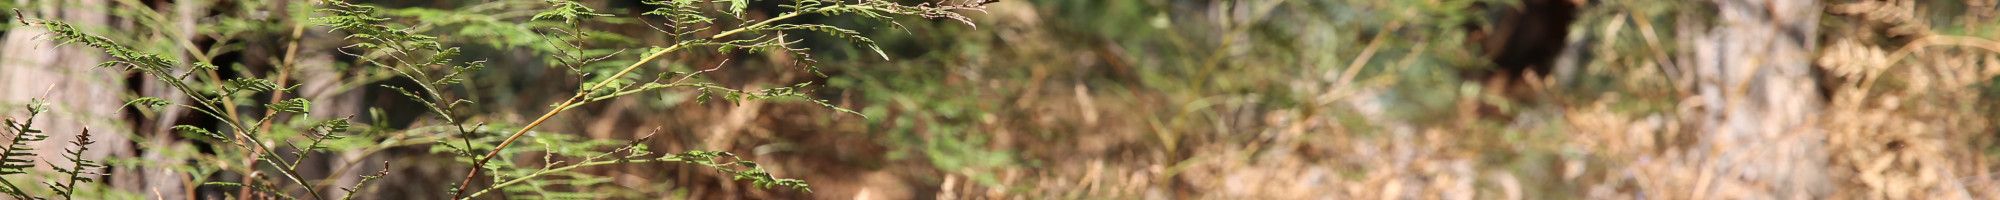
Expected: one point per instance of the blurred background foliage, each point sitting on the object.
(1085, 99)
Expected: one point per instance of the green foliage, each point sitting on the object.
(931, 121)
(417, 44)
(294, 105)
(187, 131)
(678, 12)
(80, 169)
(686, 23)
(365, 179)
(160, 67)
(19, 157)
(568, 11)
(736, 6)
(147, 102)
(252, 85)
(20, 152)
(134, 59)
(369, 30)
(742, 170)
(536, 182)
(8, 10)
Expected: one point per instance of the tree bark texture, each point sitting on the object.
(1757, 99)
(81, 95)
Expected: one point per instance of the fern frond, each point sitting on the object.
(321, 132)
(159, 67)
(568, 11)
(266, 189)
(80, 169)
(737, 167)
(365, 179)
(18, 155)
(15, 160)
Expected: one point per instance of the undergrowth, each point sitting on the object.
(501, 158)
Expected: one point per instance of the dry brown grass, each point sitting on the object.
(1915, 134)
(1904, 119)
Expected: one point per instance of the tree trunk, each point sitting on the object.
(1758, 99)
(81, 95)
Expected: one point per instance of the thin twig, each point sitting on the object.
(591, 161)
(477, 166)
(1354, 68)
(284, 75)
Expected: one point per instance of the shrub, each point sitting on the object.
(385, 49)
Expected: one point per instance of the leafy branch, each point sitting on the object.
(19, 156)
(637, 152)
(79, 167)
(387, 50)
(15, 159)
(687, 19)
(214, 103)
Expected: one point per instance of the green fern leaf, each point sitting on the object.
(736, 7)
(294, 105)
(249, 84)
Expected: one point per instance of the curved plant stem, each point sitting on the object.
(284, 75)
(581, 95)
(548, 171)
(480, 164)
